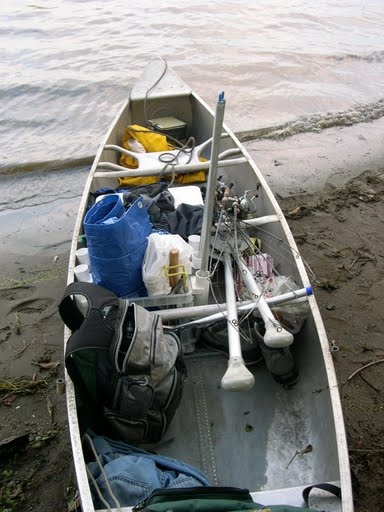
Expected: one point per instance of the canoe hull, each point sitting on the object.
(245, 439)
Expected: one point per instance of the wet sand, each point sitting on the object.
(311, 162)
(338, 224)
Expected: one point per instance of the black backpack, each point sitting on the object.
(127, 372)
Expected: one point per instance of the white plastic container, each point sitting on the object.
(196, 261)
(194, 242)
(82, 256)
(82, 273)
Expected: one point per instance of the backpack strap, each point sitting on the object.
(333, 489)
(88, 331)
(96, 296)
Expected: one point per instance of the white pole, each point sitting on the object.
(211, 313)
(237, 377)
(275, 335)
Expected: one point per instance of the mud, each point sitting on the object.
(340, 235)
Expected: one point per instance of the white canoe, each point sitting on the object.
(253, 438)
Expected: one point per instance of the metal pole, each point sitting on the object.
(218, 311)
(211, 187)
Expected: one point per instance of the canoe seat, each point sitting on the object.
(177, 161)
(157, 160)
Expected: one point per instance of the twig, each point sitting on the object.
(361, 238)
(366, 450)
(365, 366)
(19, 386)
(17, 324)
(50, 409)
(353, 262)
(369, 384)
(307, 449)
(26, 345)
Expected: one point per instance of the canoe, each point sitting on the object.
(254, 426)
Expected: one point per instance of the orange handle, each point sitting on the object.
(173, 261)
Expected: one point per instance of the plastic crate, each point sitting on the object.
(172, 299)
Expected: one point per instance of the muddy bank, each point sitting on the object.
(34, 467)
(307, 163)
(340, 235)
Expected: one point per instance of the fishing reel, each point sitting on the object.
(248, 203)
(228, 200)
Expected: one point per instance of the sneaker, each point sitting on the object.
(215, 337)
(279, 362)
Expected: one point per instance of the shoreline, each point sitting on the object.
(338, 231)
(313, 162)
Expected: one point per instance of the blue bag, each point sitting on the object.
(117, 241)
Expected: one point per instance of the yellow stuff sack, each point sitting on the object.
(151, 142)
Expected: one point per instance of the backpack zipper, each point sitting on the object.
(120, 335)
(185, 493)
(154, 339)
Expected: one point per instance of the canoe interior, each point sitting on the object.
(245, 439)
(249, 438)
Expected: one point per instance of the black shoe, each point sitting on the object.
(215, 337)
(279, 362)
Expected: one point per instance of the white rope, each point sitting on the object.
(88, 438)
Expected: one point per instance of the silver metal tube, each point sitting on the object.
(211, 187)
(217, 311)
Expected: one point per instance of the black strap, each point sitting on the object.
(333, 489)
(70, 313)
(96, 295)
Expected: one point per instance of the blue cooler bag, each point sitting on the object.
(117, 241)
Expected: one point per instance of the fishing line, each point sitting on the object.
(293, 249)
(235, 325)
(247, 240)
(214, 272)
(219, 255)
(234, 231)
(261, 284)
(257, 299)
(230, 234)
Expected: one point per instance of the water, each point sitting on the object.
(67, 65)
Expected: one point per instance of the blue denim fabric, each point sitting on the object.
(133, 474)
